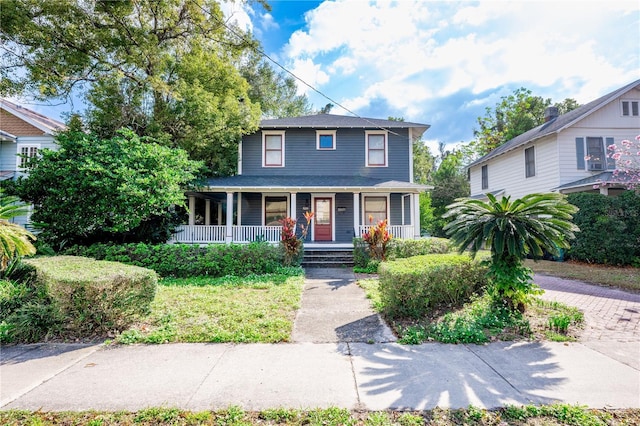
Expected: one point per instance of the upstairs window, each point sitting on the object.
(595, 154)
(530, 162)
(630, 108)
(485, 177)
(273, 149)
(591, 154)
(26, 152)
(325, 139)
(376, 149)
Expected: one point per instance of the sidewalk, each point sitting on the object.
(352, 374)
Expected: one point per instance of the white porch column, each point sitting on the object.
(192, 210)
(415, 220)
(294, 202)
(207, 212)
(239, 210)
(219, 213)
(604, 190)
(356, 213)
(229, 230)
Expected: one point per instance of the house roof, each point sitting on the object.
(618, 178)
(6, 136)
(245, 183)
(46, 124)
(333, 121)
(558, 124)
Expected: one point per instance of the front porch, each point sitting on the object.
(243, 234)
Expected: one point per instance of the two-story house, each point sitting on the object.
(23, 133)
(568, 153)
(344, 169)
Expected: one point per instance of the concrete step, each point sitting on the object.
(327, 258)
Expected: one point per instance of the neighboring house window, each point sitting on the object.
(630, 108)
(530, 162)
(376, 149)
(485, 177)
(26, 152)
(325, 139)
(275, 209)
(273, 149)
(591, 154)
(375, 208)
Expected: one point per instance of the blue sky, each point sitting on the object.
(442, 63)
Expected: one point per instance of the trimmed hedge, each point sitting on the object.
(609, 228)
(410, 287)
(94, 296)
(189, 260)
(400, 249)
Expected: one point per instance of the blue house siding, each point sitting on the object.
(252, 208)
(344, 219)
(348, 159)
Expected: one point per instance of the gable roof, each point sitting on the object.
(46, 124)
(557, 124)
(333, 121)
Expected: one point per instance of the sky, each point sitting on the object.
(442, 63)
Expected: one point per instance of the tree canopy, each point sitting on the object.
(174, 70)
(94, 189)
(513, 115)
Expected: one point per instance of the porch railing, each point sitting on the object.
(202, 234)
(398, 231)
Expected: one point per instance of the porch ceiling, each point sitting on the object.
(244, 183)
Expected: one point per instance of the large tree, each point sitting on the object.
(93, 189)
(513, 115)
(164, 68)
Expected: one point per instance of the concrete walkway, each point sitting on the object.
(349, 374)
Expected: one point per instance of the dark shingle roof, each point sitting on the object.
(557, 124)
(332, 121)
(347, 183)
(619, 178)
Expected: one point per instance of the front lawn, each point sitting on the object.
(627, 278)
(254, 309)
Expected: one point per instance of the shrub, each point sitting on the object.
(609, 228)
(360, 253)
(377, 238)
(401, 249)
(410, 287)
(95, 296)
(187, 260)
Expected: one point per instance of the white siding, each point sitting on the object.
(507, 172)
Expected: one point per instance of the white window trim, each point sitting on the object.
(19, 151)
(365, 219)
(274, 194)
(366, 147)
(266, 133)
(630, 102)
(535, 162)
(333, 213)
(323, 133)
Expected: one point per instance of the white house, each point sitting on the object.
(567, 153)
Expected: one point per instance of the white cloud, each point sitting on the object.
(238, 13)
(309, 72)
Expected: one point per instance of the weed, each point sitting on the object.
(408, 419)
(280, 415)
(331, 416)
(378, 419)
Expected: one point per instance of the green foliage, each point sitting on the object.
(610, 228)
(95, 189)
(513, 115)
(512, 230)
(564, 413)
(427, 217)
(401, 248)
(94, 296)
(292, 246)
(377, 238)
(188, 260)
(360, 253)
(423, 162)
(15, 241)
(411, 287)
(449, 183)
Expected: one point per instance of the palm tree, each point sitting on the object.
(14, 239)
(511, 230)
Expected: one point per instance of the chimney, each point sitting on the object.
(550, 113)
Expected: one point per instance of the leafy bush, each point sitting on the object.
(360, 253)
(410, 287)
(401, 249)
(187, 260)
(609, 228)
(94, 296)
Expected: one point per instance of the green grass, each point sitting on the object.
(556, 414)
(627, 278)
(479, 321)
(231, 309)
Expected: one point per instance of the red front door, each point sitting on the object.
(322, 220)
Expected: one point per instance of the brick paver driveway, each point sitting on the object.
(610, 314)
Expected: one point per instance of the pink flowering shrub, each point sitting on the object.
(627, 157)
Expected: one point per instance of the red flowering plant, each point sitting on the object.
(377, 237)
(292, 245)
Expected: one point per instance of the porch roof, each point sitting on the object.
(609, 178)
(244, 183)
